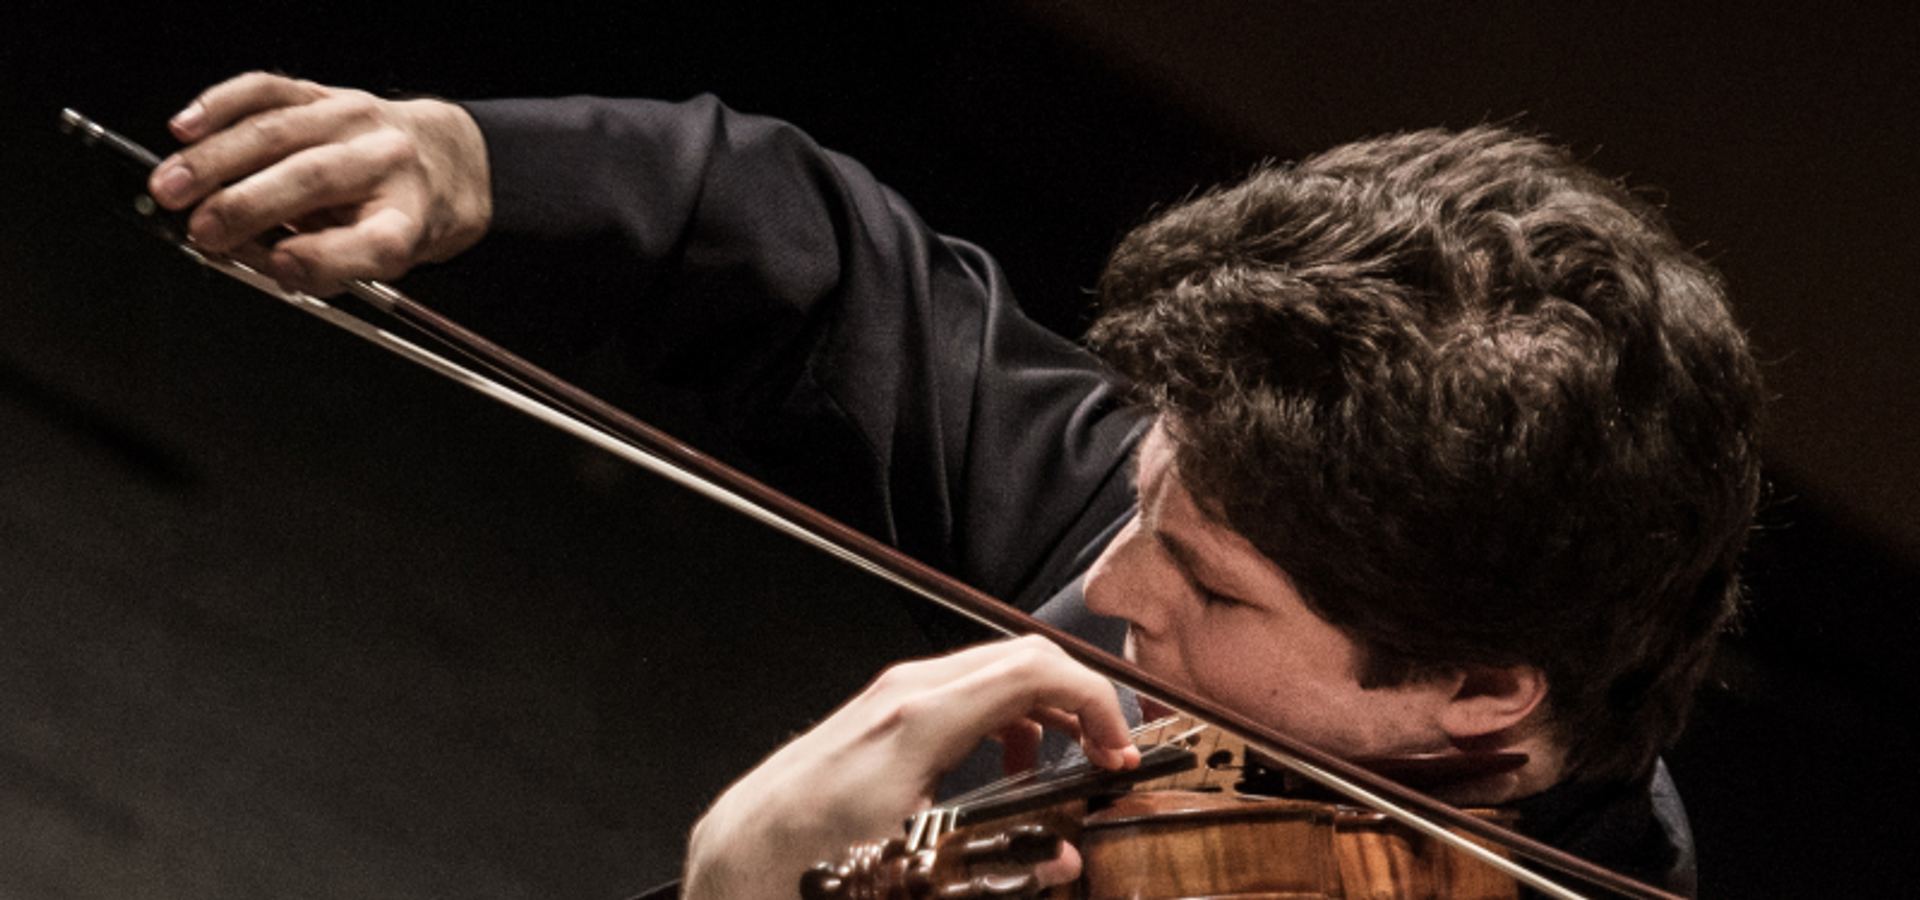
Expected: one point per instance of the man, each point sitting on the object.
(1441, 443)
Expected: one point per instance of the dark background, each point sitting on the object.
(283, 616)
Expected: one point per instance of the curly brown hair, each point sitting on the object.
(1479, 404)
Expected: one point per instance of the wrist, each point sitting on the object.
(454, 157)
(738, 860)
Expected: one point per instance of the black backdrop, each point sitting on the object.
(282, 616)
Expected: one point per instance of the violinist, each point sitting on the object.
(1435, 443)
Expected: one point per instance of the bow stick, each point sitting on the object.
(525, 387)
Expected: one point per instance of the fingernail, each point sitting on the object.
(187, 121)
(171, 183)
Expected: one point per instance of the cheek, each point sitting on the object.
(1291, 682)
(1235, 660)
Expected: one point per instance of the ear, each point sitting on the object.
(1487, 700)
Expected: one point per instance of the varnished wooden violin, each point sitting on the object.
(1201, 817)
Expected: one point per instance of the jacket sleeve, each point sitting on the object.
(831, 343)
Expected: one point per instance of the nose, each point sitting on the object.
(1125, 580)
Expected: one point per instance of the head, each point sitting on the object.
(1475, 406)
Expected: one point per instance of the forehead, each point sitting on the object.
(1178, 519)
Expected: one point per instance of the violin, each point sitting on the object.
(1195, 820)
(1158, 840)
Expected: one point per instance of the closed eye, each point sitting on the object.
(1215, 598)
(1188, 562)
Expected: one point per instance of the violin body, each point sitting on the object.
(1381, 858)
(1179, 844)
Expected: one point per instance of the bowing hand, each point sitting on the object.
(371, 187)
(878, 759)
